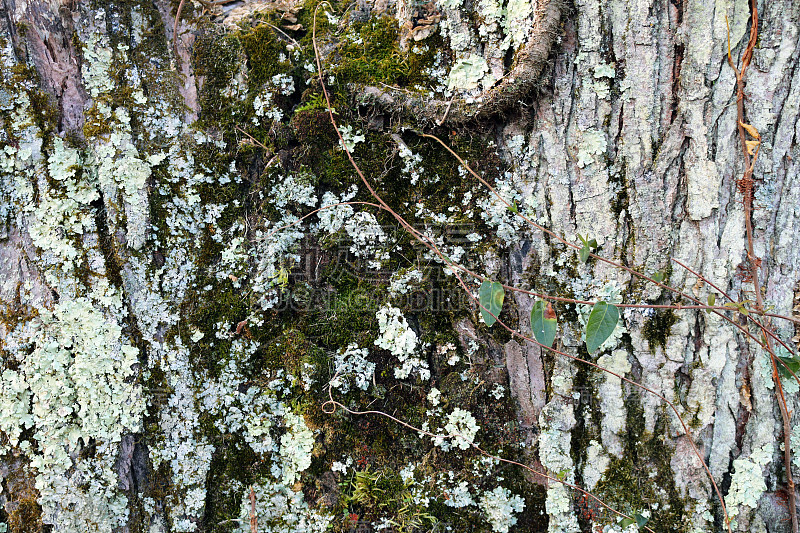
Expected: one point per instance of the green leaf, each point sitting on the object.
(586, 249)
(513, 207)
(712, 298)
(739, 306)
(544, 329)
(491, 298)
(583, 253)
(640, 520)
(792, 362)
(658, 277)
(625, 522)
(602, 321)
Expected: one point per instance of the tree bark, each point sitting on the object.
(169, 346)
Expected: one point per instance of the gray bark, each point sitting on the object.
(141, 339)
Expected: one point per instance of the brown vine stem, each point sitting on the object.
(253, 516)
(767, 331)
(558, 298)
(569, 300)
(423, 239)
(175, 28)
(562, 240)
(757, 323)
(329, 407)
(746, 186)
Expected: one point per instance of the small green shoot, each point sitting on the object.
(587, 248)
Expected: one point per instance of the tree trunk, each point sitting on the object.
(173, 334)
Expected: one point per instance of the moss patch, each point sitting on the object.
(657, 328)
(643, 476)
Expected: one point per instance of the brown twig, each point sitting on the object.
(633, 272)
(175, 28)
(746, 186)
(432, 245)
(253, 516)
(764, 329)
(329, 407)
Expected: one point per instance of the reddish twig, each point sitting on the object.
(746, 186)
(253, 516)
(329, 407)
(432, 245)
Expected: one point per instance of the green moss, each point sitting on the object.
(372, 53)
(374, 494)
(26, 517)
(644, 476)
(316, 135)
(227, 306)
(22, 512)
(369, 53)
(216, 57)
(262, 50)
(657, 328)
(290, 351)
(234, 465)
(347, 316)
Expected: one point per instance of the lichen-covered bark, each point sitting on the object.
(171, 326)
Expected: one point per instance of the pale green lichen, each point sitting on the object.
(612, 400)
(80, 379)
(63, 212)
(605, 70)
(747, 481)
(468, 74)
(280, 510)
(515, 22)
(593, 143)
(296, 446)
(556, 420)
(596, 464)
(500, 507)
(97, 55)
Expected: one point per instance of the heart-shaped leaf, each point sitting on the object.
(602, 321)
(543, 323)
(583, 253)
(491, 298)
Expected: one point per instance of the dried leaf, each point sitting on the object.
(751, 130)
(751, 146)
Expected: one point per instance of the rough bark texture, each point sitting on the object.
(167, 342)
